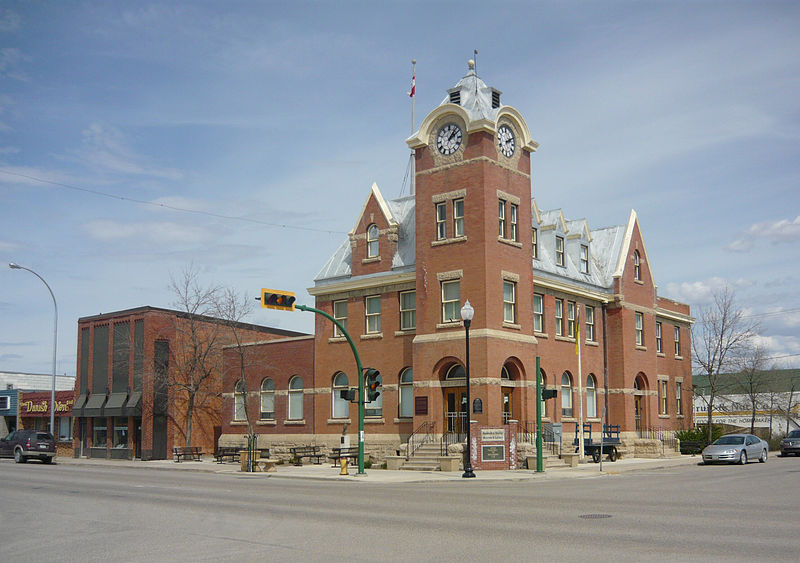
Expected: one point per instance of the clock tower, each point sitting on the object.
(473, 242)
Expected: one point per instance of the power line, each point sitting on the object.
(171, 207)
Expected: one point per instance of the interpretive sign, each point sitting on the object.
(493, 435)
(493, 453)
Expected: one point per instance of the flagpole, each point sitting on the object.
(580, 377)
(412, 183)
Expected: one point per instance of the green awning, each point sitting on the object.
(114, 404)
(94, 406)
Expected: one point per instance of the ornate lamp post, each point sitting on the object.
(467, 312)
(14, 266)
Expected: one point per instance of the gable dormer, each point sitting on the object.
(579, 238)
(374, 238)
(633, 276)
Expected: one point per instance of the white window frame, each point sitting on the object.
(441, 220)
(509, 301)
(453, 304)
(513, 221)
(637, 266)
(571, 305)
(663, 399)
(372, 314)
(639, 328)
(590, 335)
(560, 251)
(559, 315)
(678, 398)
(408, 316)
(5, 403)
(405, 408)
(659, 341)
(239, 399)
(677, 332)
(584, 259)
(267, 398)
(566, 395)
(340, 408)
(338, 308)
(501, 218)
(458, 217)
(591, 396)
(373, 238)
(296, 396)
(538, 312)
(535, 242)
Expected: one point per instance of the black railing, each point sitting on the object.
(667, 437)
(455, 430)
(423, 434)
(527, 433)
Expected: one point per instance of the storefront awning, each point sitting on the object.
(94, 406)
(114, 404)
(77, 408)
(134, 405)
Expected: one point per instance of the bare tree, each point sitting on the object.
(195, 365)
(717, 340)
(751, 380)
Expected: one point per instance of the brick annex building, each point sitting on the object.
(130, 393)
(472, 231)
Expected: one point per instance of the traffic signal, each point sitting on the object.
(277, 299)
(549, 394)
(373, 381)
(349, 395)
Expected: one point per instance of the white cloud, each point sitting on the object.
(6, 246)
(161, 233)
(776, 231)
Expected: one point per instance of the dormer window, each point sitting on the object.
(637, 266)
(535, 239)
(372, 241)
(584, 259)
(560, 251)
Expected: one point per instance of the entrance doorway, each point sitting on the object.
(455, 414)
(508, 409)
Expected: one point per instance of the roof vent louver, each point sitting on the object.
(455, 97)
(495, 99)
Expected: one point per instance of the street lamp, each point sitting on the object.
(14, 266)
(467, 312)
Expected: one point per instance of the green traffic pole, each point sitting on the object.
(360, 382)
(539, 460)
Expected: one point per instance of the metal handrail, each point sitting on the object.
(527, 433)
(422, 435)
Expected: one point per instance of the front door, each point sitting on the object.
(456, 410)
(637, 411)
(508, 413)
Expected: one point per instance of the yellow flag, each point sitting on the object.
(577, 329)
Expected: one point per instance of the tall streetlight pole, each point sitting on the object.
(467, 312)
(14, 266)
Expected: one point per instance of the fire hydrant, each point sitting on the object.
(343, 463)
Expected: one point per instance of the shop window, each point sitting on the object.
(100, 433)
(120, 432)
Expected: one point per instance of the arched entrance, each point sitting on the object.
(639, 403)
(455, 401)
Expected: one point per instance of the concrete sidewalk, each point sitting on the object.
(327, 473)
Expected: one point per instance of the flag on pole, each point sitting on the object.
(413, 85)
(577, 329)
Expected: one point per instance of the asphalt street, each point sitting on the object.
(84, 512)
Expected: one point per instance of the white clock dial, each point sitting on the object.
(506, 141)
(449, 139)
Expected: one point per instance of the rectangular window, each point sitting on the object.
(538, 312)
(373, 308)
(662, 385)
(340, 314)
(559, 317)
(501, 218)
(535, 240)
(458, 217)
(5, 403)
(678, 401)
(120, 432)
(639, 329)
(571, 319)
(441, 221)
(590, 336)
(99, 433)
(509, 302)
(513, 208)
(64, 428)
(677, 342)
(659, 347)
(408, 310)
(451, 301)
(584, 259)
(559, 251)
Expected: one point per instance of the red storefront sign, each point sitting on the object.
(38, 404)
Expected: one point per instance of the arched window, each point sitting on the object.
(591, 397)
(267, 399)
(566, 395)
(637, 266)
(504, 374)
(456, 371)
(296, 398)
(372, 241)
(341, 407)
(406, 393)
(239, 398)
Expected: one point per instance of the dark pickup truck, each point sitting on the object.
(25, 444)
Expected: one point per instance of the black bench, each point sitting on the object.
(226, 453)
(190, 452)
(343, 453)
(311, 452)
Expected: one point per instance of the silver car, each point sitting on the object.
(736, 448)
(791, 444)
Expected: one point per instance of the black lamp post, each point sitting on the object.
(467, 312)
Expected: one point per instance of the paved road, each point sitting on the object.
(71, 512)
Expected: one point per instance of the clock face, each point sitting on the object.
(449, 139)
(506, 141)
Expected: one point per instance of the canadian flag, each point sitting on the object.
(413, 86)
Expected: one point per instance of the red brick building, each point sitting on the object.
(131, 392)
(537, 281)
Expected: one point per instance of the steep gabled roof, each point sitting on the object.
(633, 224)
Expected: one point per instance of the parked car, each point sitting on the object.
(791, 443)
(736, 448)
(25, 444)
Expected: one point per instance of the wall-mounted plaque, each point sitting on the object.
(477, 406)
(493, 453)
(493, 435)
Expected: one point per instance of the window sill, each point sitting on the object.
(663, 416)
(404, 419)
(640, 282)
(406, 332)
(449, 241)
(541, 334)
(680, 416)
(376, 336)
(592, 343)
(512, 325)
(371, 260)
(294, 422)
(592, 419)
(374, 420)
(336, 339)
(642, 348)
(450, 325)
(661, 354)
(678, 357)
(509, 242)
(340, 421)
(266, 423)
(568, 419)
(565, 339)
(239, 423)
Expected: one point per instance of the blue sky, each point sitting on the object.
(268, 122)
